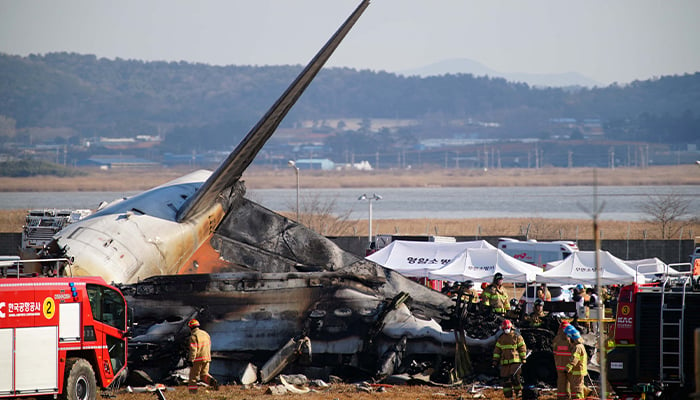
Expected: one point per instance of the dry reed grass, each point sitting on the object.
(539, 228)
(663, 175)
(258, 178)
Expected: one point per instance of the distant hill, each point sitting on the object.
(468, 66)
(200, 107)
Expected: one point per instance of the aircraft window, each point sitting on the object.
(136, 210)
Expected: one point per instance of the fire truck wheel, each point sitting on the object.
(80, 381)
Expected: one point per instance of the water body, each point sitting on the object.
(619, 202)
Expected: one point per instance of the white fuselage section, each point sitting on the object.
(138, 237)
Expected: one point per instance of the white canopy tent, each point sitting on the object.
(579, 267)
(417, 259)
(651, 266)
(482, 264)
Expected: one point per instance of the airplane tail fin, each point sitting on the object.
(230, 171)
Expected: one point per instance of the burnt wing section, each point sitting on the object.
(259, 239)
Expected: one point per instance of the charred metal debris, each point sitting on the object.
(320, 324)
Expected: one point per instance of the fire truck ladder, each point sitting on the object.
(671, 334)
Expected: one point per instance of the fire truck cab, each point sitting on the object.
(652, 356)
(60, 335)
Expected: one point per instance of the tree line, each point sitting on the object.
(215, 105)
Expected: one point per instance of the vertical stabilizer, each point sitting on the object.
(236, 163)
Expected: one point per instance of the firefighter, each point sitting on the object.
(577, 367)
(199, 358)
(543, 293)
(562, 354)
(482, 296)
(513, 314)
(470, 295)
(510, 353)
(535, 317)
(496, 296)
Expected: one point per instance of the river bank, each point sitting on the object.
(537, 227)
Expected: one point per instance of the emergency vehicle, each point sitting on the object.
(60, 336)
(537, 253)
(653, 350)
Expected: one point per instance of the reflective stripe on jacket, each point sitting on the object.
(470, 295)
(200, 346)
(578, 363)
(535, 319)
(562, 350)
(497, 299)
(510, 348)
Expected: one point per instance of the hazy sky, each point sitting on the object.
(606, 40)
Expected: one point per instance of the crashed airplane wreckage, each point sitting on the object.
(196, 247)
(287, 282)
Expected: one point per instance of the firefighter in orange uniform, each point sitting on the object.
(562, 354)
(510, 354)
(199, 358)
(577, 368)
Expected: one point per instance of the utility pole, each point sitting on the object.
(599, 284)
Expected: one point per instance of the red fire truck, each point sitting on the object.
(654, 325)
(61, 335)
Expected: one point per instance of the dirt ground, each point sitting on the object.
(336, 391)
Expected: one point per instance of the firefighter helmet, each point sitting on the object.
(469, 284)
(539, 302)
(498, 276)
(572, 332)
(484, 285)
(193, 323)
(513, 302)
(506, 324)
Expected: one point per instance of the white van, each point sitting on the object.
(537, 253)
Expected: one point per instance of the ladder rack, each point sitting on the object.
(671, 328)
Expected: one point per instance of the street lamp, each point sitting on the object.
(369, 200)
(292, 164)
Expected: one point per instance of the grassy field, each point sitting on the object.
(256, 178)
(539, 228)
